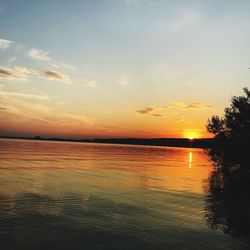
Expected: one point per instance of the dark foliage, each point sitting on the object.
(228, 193)
(235, 124)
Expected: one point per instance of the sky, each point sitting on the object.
(120, 68)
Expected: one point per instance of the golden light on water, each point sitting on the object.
(190, 159)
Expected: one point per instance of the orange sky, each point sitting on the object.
(138, 70)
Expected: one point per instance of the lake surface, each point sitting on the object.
(59, 195)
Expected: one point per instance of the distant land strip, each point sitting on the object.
(168, 142)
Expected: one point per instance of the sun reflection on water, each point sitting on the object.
(190, 159)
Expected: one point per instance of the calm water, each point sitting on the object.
(58, 195)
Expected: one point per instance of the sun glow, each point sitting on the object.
(191, 134)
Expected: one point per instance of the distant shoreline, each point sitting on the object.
(165, 142)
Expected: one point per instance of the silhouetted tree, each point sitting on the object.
(235, 124)
(227, 203)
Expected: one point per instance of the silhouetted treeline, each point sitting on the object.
(170, 142)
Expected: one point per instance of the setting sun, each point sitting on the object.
(191, 134)
(124, 124)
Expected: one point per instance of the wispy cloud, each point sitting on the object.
(192, 105)
(16, 73)
(39, 54)
(167, 110)
(145, 110)
(8, 72)
(5, 44)
(25, 95)
(67, 66)
(43, 55)
(157, 115)
(77, 118)
(63, 65)
(22, 112)
(179, 119)
(90, 83)
(56, 76)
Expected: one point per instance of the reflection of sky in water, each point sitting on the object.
(104, 197)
